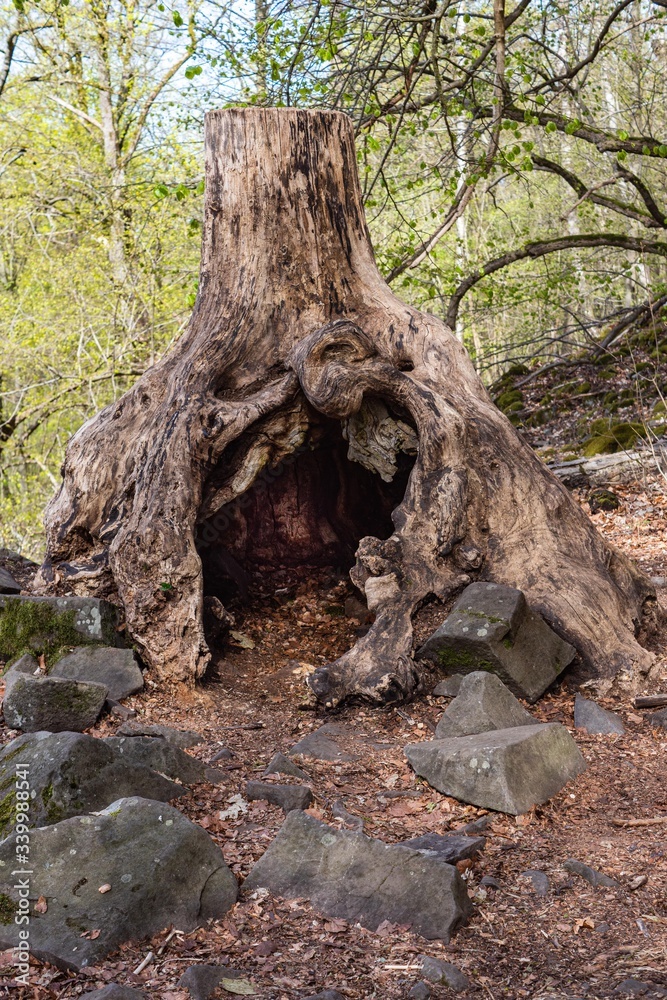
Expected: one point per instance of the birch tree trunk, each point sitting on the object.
(237, 445)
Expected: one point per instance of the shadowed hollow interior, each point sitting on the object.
(309, 510)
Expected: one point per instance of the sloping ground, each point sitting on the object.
(575, 941)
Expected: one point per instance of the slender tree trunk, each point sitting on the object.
(237, 437)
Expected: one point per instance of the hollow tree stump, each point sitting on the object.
(296, 343)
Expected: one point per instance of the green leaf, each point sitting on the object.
(622, 135)
(540, 99)
(161, 191)
(241, 987)
(551, 127)
(178, 20)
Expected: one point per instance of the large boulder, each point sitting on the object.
(482, 704)
(492, 628)
(346, 874)
(52, 626)
(120, 875)
(116, 668)
(34, 702)
(72, 774)
(509, 770)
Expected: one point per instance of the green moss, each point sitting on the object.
(659, 408)
(35, 627)
(620, 437)
(510, 400)
(7, 812)
(507, 643)
(461, 658)
(583, 388)
(7, 909)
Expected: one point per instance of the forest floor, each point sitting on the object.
(575, 941)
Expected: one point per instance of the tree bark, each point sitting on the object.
(233, 446)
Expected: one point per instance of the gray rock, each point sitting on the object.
(288, 797)
(94, 620)
(635, 987)
(346, 874)
(420, 991)
(321, 744)
(226, 754)
(589, 874)
(448, 847)
(326, 995)
(162, 870)
(113, 992)
(181, 738)
(116, 668)
(482, 704)
(36, 702)
(444, 974)
(202, 980)
(659, 719)
(539, 881)
(280, 764)
(448, 687)
(161, 756)
(509, 770)
(492, 628)
(71, 774)
(594, 719)
(8, 584)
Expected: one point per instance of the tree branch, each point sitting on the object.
(541, 248)
(590, 194)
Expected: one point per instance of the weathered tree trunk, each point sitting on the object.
(233, 443)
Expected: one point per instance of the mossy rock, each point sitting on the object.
(620, 437)
(507, 400)
(659, 408)
(582, 389)
(600, 426)
(51, 627)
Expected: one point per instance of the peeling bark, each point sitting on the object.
(295, 333)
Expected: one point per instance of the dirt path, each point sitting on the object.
(575, 941)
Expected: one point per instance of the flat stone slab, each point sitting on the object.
(346, 874)
(159, 755)
(492, 628)
(161, 868)
(116, 668)
(594, 719)
(448, 847)
(8, 584)
(71, 774)
(325, 744)
(94, 620)
(509, 770)
(482, 704)
(288, 797)
(35, 702)
(182, 738)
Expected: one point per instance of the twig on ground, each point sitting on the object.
(639, 822)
